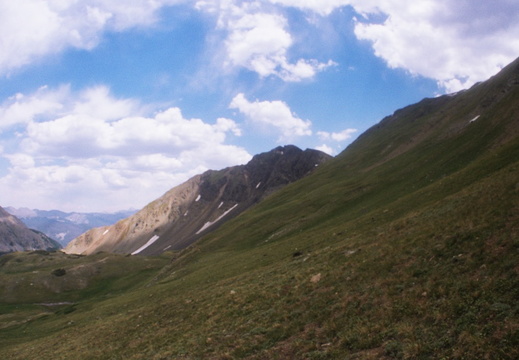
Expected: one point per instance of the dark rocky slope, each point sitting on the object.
(201, 204)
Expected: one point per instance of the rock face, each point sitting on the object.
(201, 204)
(15, 236)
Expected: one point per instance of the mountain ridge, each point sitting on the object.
(418, 124)
(15, 236)
(201, 204)
(65, 226)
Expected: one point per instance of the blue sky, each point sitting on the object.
(105, 105)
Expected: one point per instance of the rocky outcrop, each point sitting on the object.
(201, 204)
(15, 236)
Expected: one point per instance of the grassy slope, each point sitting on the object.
(406, 246)
(39, 285)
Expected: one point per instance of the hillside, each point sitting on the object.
(15, 236)
(405, 246)
(201, 204)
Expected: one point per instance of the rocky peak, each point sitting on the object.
(201, 204)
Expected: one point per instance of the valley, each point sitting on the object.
(404, 246)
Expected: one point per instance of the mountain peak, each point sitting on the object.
(201, 204)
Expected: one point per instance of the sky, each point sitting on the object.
(107, 104)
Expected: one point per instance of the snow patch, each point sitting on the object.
(257, 186)
(209, 223)
(150, 241)
(187, 212)
(221, 204)
(198, 197)
(477, 117)
(106, 231)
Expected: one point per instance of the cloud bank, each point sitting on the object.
(90, 145)
(456, 43)
(33, 29)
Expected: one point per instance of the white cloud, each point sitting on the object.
(326, 149)
(457, 43)
(337, 136)
(274, 115)
(224, 124)
(31, 29)
(22, 161)
(22, 109)
(98, 102)
(322, 7)
(258, 39)
(82, 136)
(89, 150)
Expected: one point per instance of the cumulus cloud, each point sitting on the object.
(258, 39)
(224, 125)
(326, 149)
(272, 115)
(337, 136)
(31, 29)
(101, 151)
(457, 43)
(81, 135)
(22, 109)
(322, 7)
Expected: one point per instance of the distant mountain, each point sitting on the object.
(65, 226)
(15, 236)
(201, 204)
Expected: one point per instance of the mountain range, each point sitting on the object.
(200, 205)
(65, 226)
(404, 246)
(15, 236)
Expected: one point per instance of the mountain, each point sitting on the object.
(65, 226)
(15, 236)
(200, 205)
(405, 246)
